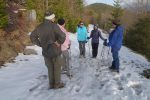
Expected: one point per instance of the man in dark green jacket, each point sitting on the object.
(49, 36)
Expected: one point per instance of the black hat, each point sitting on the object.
(116, 22)
(61, 21)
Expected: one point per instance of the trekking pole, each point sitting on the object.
(69, 71)
(108, 53)
(102, 53)
(89, 47)
(70, 53)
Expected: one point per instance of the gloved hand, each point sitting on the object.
(88, 38)
(105, 42)
(69, 46)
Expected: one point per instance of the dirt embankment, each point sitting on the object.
(11, 44)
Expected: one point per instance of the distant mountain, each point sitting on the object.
(100, 7)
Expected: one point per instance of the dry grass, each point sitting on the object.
(11, 44)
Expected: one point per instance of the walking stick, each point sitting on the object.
(69, 71)
(70, 53)
(89, 47)
(102, 53)
(108, 53)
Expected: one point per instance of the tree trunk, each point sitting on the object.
(46, 5)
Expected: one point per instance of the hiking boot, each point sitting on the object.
(112, 67)
(115, 70)
(64, 70)
(60, 85)
(51, 86)
(69, 75)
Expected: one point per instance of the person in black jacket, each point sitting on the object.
(95, 35)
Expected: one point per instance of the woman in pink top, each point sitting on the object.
(64, 47)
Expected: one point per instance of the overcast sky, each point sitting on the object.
(110, 2)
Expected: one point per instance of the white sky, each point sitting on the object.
(110, 2)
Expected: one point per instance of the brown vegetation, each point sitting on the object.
(11, 44)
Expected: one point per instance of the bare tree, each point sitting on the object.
(139, 6)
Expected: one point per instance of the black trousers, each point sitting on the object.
(95, 49)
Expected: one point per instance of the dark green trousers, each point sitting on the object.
(54, 69)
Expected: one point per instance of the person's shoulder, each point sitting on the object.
(92, 31)
(55, 25)
(120, 27)
(77, 27)
(99, 31)
(84, 27)
(60, 26)
(40, 25)
(63, 29)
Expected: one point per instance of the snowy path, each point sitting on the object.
(26, 79)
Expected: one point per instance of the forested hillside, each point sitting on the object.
(137, 36)
(98, 13)
(100, 7)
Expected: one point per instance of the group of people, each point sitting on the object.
(82, 37)
(114, 41)
(55, 43)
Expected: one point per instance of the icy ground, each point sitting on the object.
(26, 79)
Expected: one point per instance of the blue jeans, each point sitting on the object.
(115, 63)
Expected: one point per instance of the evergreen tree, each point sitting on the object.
(70, 10)
(140, 33)
(3, 14)
(117, 12)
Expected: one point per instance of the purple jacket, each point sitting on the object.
(95, 35)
